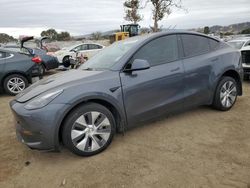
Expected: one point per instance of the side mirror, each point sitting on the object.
(138, 64)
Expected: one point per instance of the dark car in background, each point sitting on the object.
(36, 47)
(126, 84)
(18, 70)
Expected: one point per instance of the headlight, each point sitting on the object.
(43, 100)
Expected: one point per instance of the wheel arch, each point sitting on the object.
(15, 72)
(106, 103)
(235, 75)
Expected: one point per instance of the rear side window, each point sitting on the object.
(195, 45)
(81, 47)
(2, 55)
(94, 46)
(159, 51)
(213, 44)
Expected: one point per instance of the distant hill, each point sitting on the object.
(233, 28)
(106, 33)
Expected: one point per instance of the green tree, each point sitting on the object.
(5, 38)
(51, 33)
(132, 11)
(96, 35)
(206, 30)
(63, 36)
(245, 31)
(162, 8)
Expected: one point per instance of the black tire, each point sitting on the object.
(66, 61)
(43, 69)
(71, 121)
(217, 103)
(11, 77)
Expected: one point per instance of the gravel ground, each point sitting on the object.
(197, 148)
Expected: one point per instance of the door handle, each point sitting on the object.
(176, 69)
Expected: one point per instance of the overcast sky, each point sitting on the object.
(30, 17)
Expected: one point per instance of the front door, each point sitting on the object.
(159, 89)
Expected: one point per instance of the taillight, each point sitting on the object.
(36, 59)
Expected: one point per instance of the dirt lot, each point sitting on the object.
(198, 148)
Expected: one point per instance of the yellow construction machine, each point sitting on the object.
(128, 30)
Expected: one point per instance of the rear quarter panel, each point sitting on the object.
(20, 63)
(228, 59)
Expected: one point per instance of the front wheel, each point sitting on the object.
(66, 61)
(88, 130)
(226, 94)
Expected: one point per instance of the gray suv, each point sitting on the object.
(126, 84)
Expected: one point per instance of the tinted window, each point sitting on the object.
(2, 55)
(84, 47)
(81, 47)
(8, 54)
(94, 46)
(195, 45)
(213, 44)
(159, 51)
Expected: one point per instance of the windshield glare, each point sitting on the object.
(109, 56)
(236, 44)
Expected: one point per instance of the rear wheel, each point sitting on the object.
(226, 94)
(88, 130)
(15, 83)
(42, 69)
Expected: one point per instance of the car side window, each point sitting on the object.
(213, 44)
(2, 55)
(195, 45)
(81, 47)
(159, 51)
(94, 46)
(84, 47)
(78, 48)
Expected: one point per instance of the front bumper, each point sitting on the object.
(38, 129)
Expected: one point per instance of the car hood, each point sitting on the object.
(57, 81)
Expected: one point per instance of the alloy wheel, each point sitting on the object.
(228, 94)
(16, 85)
(91, 131)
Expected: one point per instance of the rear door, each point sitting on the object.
(93, 49)
(159, 89)
(198, 65)
(82, 49)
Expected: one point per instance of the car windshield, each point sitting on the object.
(236, 44)
(109, 56)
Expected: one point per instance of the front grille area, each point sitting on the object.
(246, 57)
(246, 71)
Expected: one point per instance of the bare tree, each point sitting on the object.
(162, 8)
(131, 11)
(96, 35)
